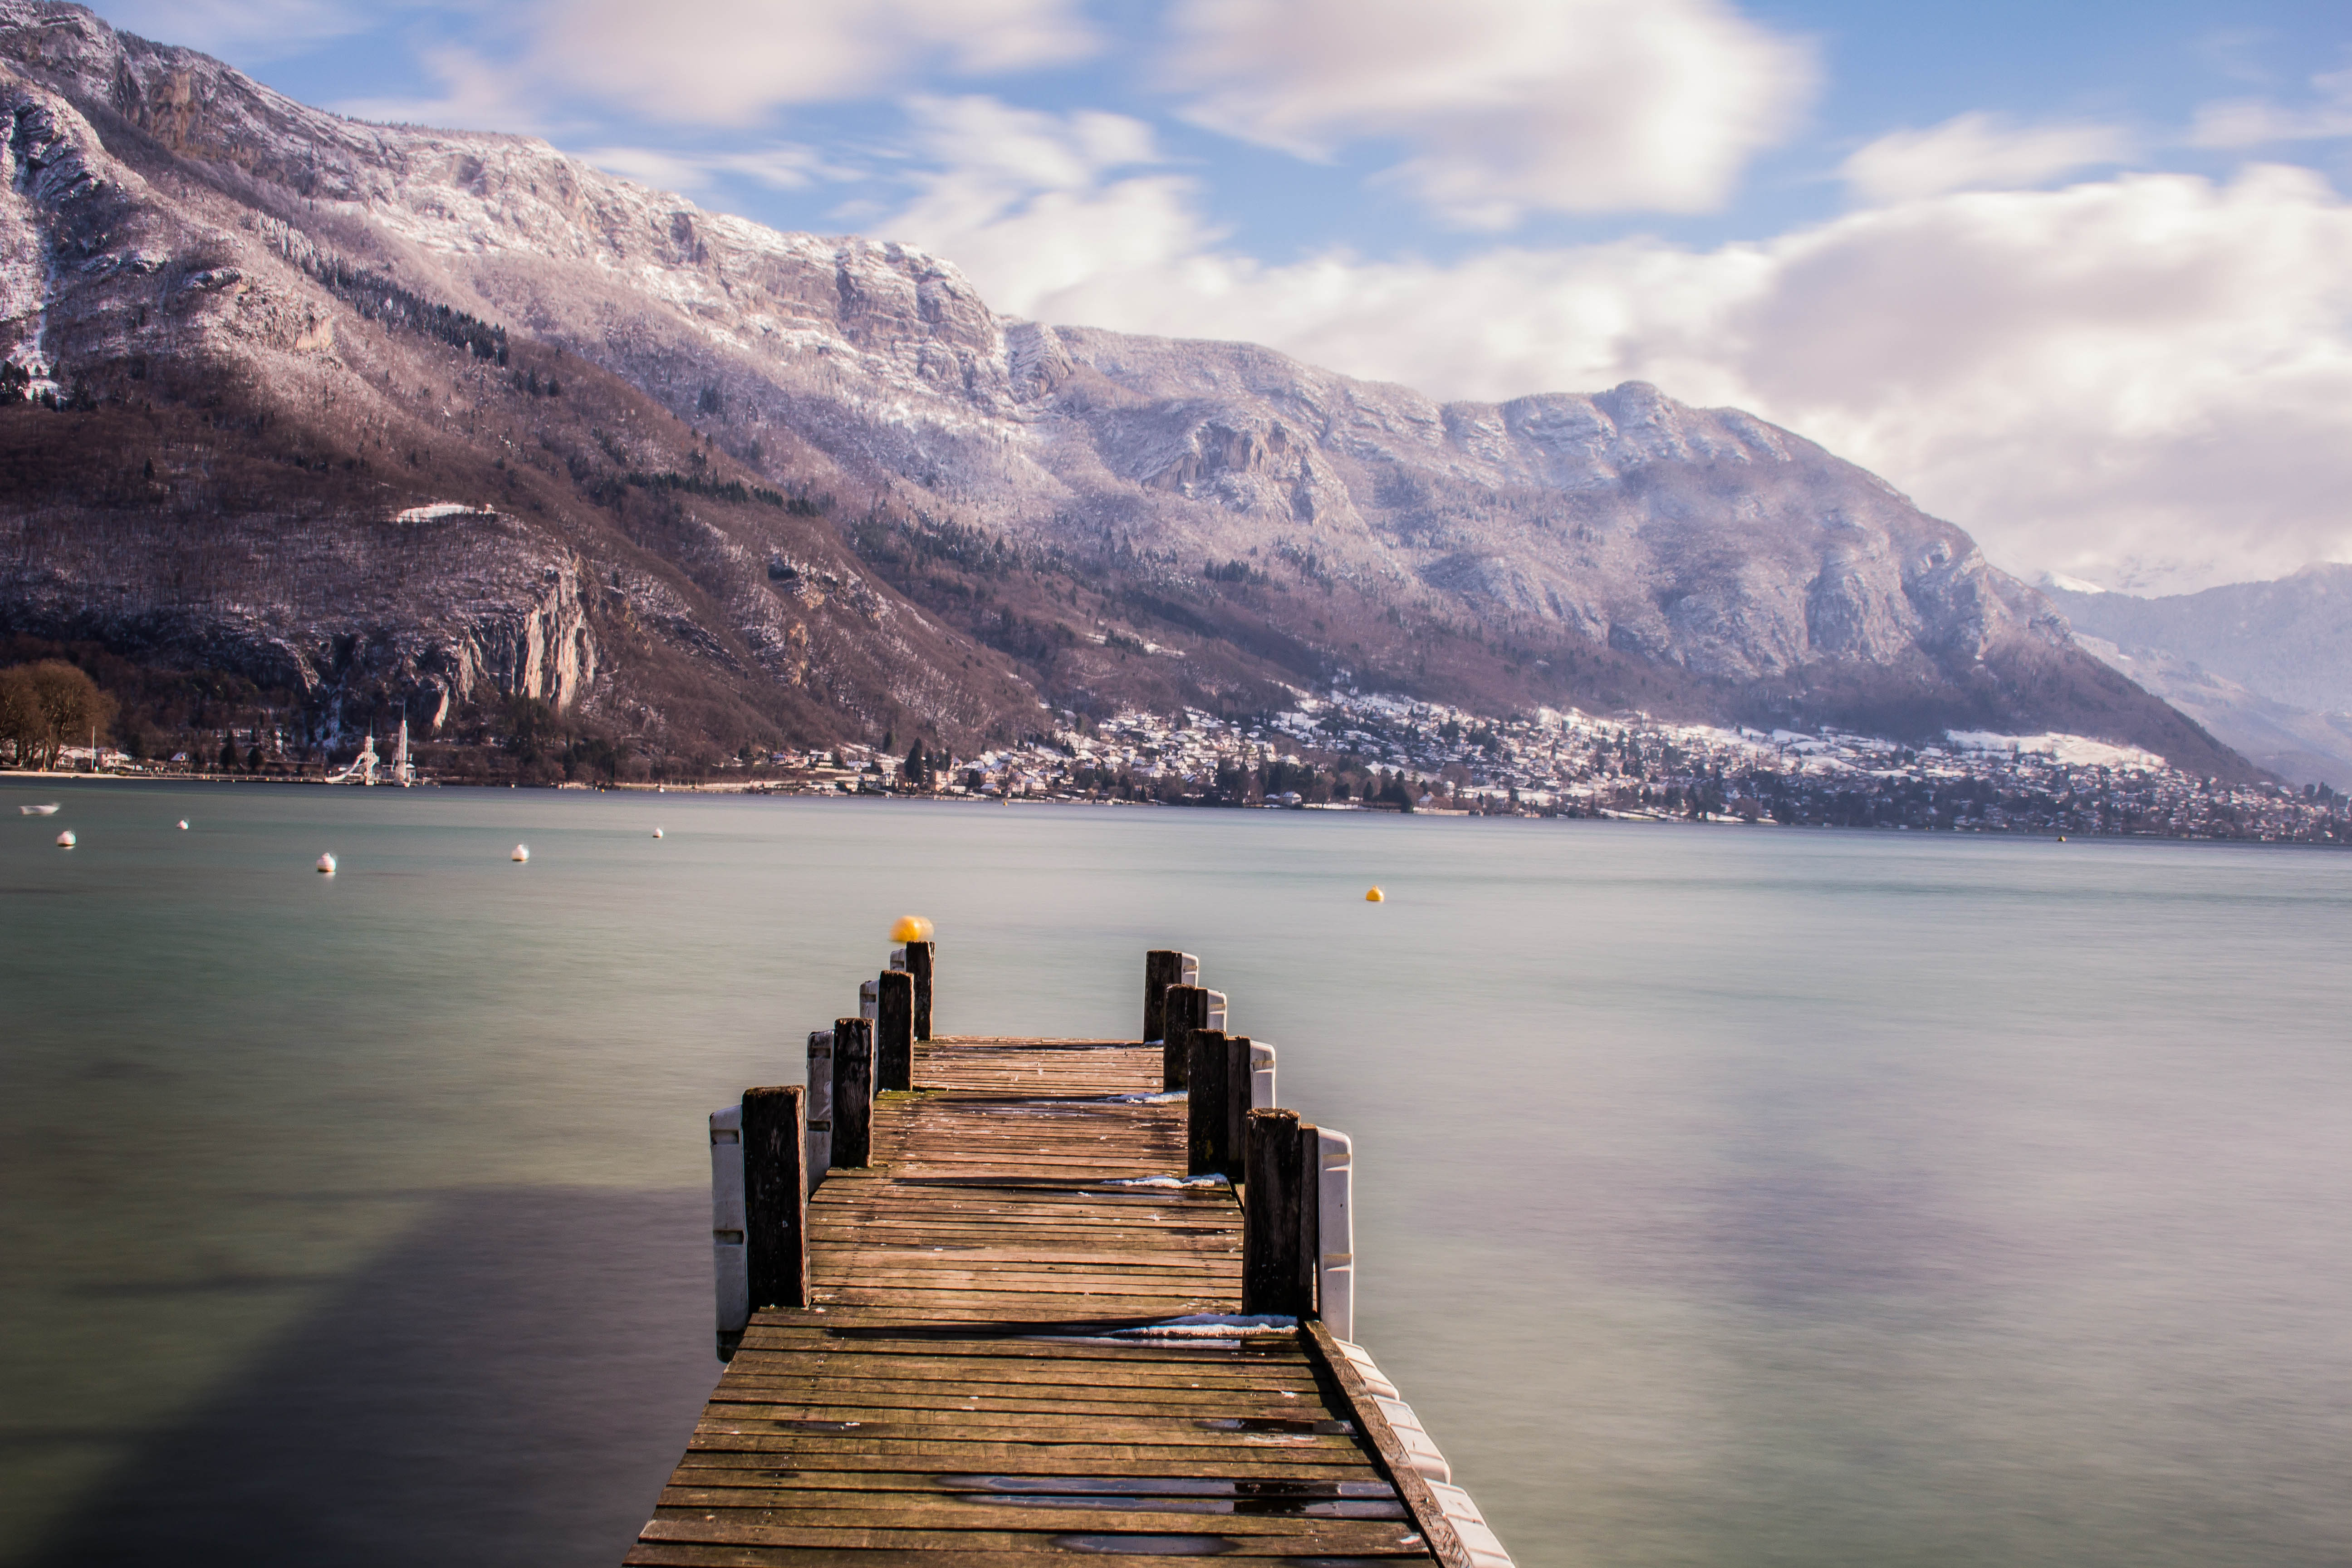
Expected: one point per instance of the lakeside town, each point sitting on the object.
(1352, 751)
(1349, 750)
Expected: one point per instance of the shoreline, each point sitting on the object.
(1349, 809)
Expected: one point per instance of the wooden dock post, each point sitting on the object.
(1217, 1103)
(894, 1030)
(1279, 1216)
(820, 1105)
(920, 957)
(729, 1267)
(775, 1196)
(1184, 1009)
(853, 1092)
(1163, 967)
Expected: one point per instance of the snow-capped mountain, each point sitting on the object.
(1018, 510)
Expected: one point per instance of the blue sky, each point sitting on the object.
(2074, 276)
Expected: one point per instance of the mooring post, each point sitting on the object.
(1204, 1109)
(853, 1092)
(920, 958)
(1163, 967)
(775, 1196)
(894, 1030)
(1184, 1008)
(1261, 1064)
(1335, 1248)
(820, 1105)
(1279, 1216)
(1217, 1102)
(728, 1225)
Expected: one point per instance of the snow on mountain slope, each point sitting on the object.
(1614, 547)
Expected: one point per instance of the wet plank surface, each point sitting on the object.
(976, 1384)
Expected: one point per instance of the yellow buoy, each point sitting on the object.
(66, 840)
(1374, 896)
(912, 928)
(326, 865)
(521, 853)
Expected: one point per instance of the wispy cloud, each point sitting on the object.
(733, 62)
(2324, 114)
(1502, 107)
(1978, 151)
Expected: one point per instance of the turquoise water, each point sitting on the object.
(1726, 1196)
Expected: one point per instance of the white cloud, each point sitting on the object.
(731, 62)
(2141, 379)
(1504, 107)
(2242, 123)
(1977, 151)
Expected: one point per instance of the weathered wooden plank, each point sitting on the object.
(679, 1554)
(1328, 1537)
(1311, 1521)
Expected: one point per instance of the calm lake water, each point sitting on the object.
(1726, 1197)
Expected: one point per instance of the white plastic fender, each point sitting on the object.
(1419, 1451)
(1470, 1527)
(1188, 971)
(1374, 1378)
(730, 1220)
(1262, 1077)
(869, 999)
(1217, 1010)
(820, 1105)
(1335, 1250)
(898, 958)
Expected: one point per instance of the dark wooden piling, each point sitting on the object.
(1184, 1008)
(1280, 1215)
(894, 1030)
(853, 1092)
(1162, 967)
(920, 957)
(775, 1196)
(1217, 1102)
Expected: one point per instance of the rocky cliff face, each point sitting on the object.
(1111, 518)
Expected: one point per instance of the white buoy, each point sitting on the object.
(657, 833)
(521, 854)
(326, 865)
(66, 840)
(183, 825)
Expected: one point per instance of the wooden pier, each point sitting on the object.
(1027, 1313)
